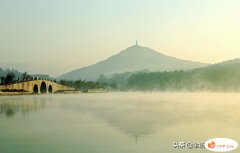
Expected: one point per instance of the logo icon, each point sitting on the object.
(211, 145)
(221, 144)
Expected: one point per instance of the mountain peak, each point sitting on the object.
(133, 58)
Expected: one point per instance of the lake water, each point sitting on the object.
(116, 122)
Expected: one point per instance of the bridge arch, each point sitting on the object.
(50, 89)
(43, 88)
(35, 89)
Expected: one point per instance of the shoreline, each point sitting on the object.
(63, 92)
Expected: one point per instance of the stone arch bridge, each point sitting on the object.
(36, 87)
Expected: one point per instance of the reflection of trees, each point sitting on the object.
(9, 112)
(24, 104)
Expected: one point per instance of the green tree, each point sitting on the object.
(2, 80)
(102, 79)
(25, 76)
(9, 78)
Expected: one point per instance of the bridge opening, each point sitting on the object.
(35, 89)
(50, 89)
(43, 88)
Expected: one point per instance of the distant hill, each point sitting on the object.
(224, 76)
(134, 58)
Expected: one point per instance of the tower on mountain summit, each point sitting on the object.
(136, 43)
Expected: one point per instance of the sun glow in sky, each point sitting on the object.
(57, 36)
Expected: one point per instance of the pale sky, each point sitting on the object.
(57, 36)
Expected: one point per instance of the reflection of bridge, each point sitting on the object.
(36, 87)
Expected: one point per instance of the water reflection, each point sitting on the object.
(115, 122)
(142, 115)
(10, 106)
(137, 115)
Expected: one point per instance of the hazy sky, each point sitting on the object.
(56, 36)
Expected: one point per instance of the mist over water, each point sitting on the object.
(131, 122)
